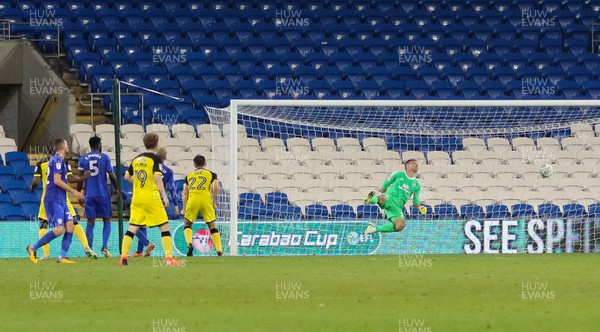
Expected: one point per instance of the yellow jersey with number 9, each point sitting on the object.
(199, 183)
(143, 168)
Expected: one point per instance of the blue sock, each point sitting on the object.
(105, 234)
(143, 241)
(89, 233)
(44, 240)
(66, 243)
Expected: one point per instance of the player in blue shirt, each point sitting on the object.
(97, 194)
(55, 203)
(169, 183)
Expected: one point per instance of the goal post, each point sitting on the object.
(404, 126)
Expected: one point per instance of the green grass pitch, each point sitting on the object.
(362, 293)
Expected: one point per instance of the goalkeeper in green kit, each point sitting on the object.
(397, 190)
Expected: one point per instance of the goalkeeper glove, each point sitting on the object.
(422, 210)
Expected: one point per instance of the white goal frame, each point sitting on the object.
(235, 104)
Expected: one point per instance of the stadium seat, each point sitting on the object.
(12, 213)
(446, 212)
(549, 211)
(523, 211)
(574, 210)
(472, 212)
(316, 212)
(342, 211)
(497, 211)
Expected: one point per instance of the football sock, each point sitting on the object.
(126, 245)
(46, 247)
(167, 243)
(66, 243)
(187, 233)
(388, 227)
(80, 234)
(44, 240)
(106, 234)
(374, 200)
(143, 241)
(89, 233)
(216, 238)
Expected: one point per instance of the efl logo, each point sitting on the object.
(44, 17)
(168, 54)
(290, 19)
(413, 54)
(536, 291)
(537, 18)
(537, 87)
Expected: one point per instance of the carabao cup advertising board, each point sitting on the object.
(291, 238)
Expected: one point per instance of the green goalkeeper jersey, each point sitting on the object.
(400, 187)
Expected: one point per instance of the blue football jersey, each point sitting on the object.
(168, 180)
(56, 165)
(99, 166)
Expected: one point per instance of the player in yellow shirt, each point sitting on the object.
(200, 192)
(41, 174)
(146, 207)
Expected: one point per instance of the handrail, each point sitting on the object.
(94, 94)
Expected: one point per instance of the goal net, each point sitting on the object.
(294, 173)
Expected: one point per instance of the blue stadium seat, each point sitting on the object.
(276, 198)
(446, 212)
(472, 212)
(593, 210)
(574, 211)
(368, 212)
(343, 211)
(249, 198)
(549, 211)
(523, 210)
(415, 214)
(7, 173)
(316, 212)
(14, 186)
(12, 213)
(287, 212)
(5, 200)
(497, 211)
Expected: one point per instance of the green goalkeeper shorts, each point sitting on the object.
(393, 208)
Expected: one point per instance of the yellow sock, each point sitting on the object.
(167, 244)
(46, 247)
(80, 233)
(126, 245)
(187, 233)
(216, 238)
